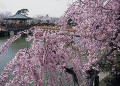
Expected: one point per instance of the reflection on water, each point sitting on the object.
(11, 51)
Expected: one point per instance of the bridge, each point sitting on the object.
(14, 28)
(54, 29)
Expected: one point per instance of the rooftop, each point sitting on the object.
(18, 17)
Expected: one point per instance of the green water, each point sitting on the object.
(11, 51)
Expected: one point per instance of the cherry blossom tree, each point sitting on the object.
(55, 59)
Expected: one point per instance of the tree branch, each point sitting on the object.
(71, 71)
(103, 59)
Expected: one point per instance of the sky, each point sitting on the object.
(54, 8)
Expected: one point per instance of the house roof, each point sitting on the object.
(18, 17)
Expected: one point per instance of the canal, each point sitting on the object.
(11, 51)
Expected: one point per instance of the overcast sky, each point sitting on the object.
(54, 8)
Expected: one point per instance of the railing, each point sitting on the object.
(69, 30)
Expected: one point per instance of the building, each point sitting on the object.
(17, 22)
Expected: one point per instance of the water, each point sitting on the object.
(11, 51)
